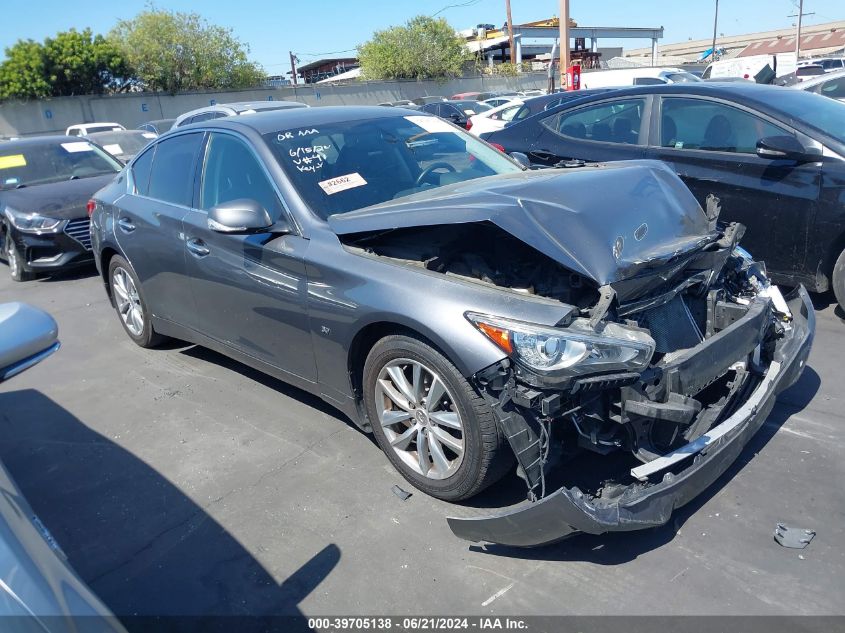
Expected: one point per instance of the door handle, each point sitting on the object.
(126, 225)
(197, 247)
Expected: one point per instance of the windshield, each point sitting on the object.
(27, 165)
(473, 107)
(122, 144)
(341, 167)
(822, 113)
(92, 129)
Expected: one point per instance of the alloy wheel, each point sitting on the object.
(128, 301)
(419, 418)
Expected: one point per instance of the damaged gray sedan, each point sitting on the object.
(475, 317)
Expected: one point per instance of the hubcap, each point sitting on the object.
(419, 418)
(128, 301)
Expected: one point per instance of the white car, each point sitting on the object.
(830, 64)
(495, 102)
(634, 77)
(219, 110)
(493, 119)
(83, 129)
(829, 85)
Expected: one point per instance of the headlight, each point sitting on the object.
(32, 222)
(564, 352)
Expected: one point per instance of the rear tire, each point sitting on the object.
(129, 303)
(15, 261)
(838, 280)
(463, 451)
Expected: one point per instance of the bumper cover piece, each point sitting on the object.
(567, 511)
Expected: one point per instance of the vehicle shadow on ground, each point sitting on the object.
(69, 275)
(143, 546)
(616, 548)
(826, 299)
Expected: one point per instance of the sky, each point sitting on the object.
(332, 28)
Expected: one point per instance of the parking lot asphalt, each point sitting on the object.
(180, 482)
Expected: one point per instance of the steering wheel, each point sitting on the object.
(430, 169)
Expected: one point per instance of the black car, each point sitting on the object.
(770, 158)
(458, 111)
(45, 185)
(471, 314)
(533, 105)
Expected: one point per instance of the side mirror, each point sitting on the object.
(27, 336)
(521, 158)
(785, 147)
(243, 215)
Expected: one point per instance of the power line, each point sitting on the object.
(468, 3)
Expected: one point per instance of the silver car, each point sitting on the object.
(475, 316)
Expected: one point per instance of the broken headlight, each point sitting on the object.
(565, 352)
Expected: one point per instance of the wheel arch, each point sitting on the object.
(105, 258)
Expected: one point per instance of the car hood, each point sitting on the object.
(63, 200)
(605, 222)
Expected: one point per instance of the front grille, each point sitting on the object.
(80, 230)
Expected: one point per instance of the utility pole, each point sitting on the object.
(564, 42)
(800, 15)
(715, 25)
(510, 32)
(293, 66)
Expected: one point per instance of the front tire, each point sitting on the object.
(130, 305)
(15, 261)
(433, 426)
(838, 280)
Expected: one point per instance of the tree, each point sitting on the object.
(181, 51)
(71, 63)
(82, 63)
(423, 48)
(22, 73)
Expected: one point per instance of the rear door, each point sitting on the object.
(711, 145)
(249, 290)
(148, 224)
(608, 130)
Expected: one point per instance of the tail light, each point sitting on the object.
(501, 148)
(92, 204)
(469, 123)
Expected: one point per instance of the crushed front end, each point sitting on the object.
(672, 370)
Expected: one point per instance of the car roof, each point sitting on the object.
(276, 120)
(820, 79)
(31, 141)
(764, 95)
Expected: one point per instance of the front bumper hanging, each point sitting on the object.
(568, 510)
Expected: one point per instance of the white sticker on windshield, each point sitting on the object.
(78, 146)
(430, 123)
(468, 111)
(148, 135)
(342, 183)
(113, 148)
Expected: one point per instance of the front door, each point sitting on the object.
(249, 290)
(711, 145)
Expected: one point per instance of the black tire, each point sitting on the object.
(15, 261)
(838, 280)
(486, 456)
(147, 337)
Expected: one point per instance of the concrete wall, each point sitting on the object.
(47, 116)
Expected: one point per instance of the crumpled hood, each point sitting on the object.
(605, 222)
(65, 200)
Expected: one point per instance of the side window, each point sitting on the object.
(172, 174)
(509, 113)
(609, 122)
(430, 107)
(835, 88)
(141, 171)
(231, 171)
(708, 125)
(204, 116)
